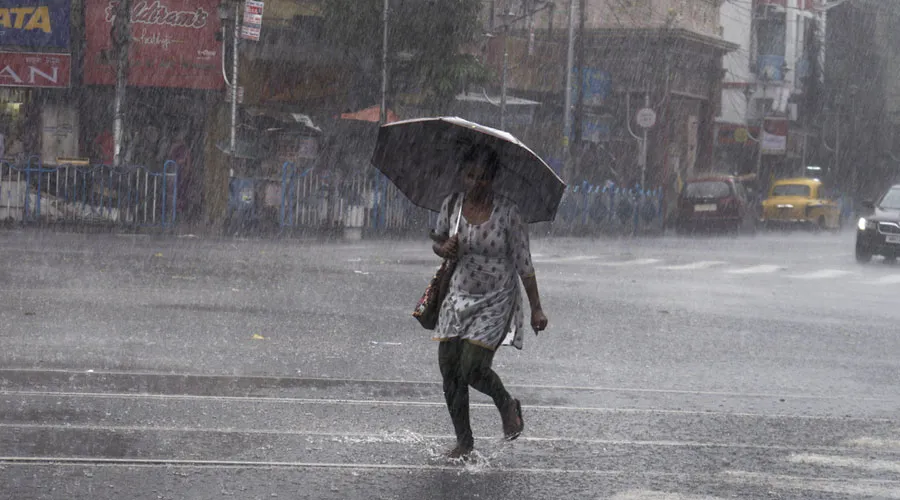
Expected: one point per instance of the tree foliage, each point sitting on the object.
(425, 41)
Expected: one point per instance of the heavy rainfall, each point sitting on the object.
(429, 249)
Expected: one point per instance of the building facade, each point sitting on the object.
(665, 56)
(863, 94)
(772, 88)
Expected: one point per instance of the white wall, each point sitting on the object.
(735, 19)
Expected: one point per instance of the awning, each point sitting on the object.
(272, 120)
(370, 114)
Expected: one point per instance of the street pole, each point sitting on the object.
(234, 82)
(121, 34)
(644, 146)
(762, 135)
(837, 146)
(567, 111)
(504, 76)
(384, 61)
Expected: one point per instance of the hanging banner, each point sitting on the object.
(28, 69)
(173, 44)
(774, 136)
(35, 23)
(252, 25)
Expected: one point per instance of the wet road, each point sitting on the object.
(757, 367)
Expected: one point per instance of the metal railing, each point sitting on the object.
(318, 199)
(610, 208)
(311, 198)
(32, 193)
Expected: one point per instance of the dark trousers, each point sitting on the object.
(463, 364)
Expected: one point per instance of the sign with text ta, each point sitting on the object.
(35, 23)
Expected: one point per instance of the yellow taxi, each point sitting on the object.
(801, 201)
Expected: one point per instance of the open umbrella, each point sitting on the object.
(422, 158)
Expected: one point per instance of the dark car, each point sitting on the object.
(713, 203)
(879, 232)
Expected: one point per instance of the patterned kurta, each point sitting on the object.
(484, 301)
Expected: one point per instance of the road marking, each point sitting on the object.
(859, 488)
(885, 488)
(703, 264)
(402, 403)
(766, 268)
(634, 262)
(68, 373)
(408, 437)
(873, 465)
(251, 464)
(819, 275)
(659, 495)
(876, 443)
(892, 279)
(563, 260)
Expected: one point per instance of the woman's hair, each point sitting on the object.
(485, 157)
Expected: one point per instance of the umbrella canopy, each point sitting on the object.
(370, 114)
(422, 157)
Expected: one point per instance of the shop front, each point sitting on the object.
(174, 86)
(36, 115)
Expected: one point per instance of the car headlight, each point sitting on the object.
(864, 224)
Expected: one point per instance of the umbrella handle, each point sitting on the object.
(458, 217)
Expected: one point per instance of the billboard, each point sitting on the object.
(30, 69)
(35, 23)
(774, 136)
(173, 44)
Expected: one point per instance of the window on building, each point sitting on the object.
(771, 34)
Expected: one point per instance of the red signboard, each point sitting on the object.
(173, 44)
(32, 69)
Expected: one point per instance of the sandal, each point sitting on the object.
(513, 424)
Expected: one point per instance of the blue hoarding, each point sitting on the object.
(35, 23)
(596, 84)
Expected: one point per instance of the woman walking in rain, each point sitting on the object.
(483, 306)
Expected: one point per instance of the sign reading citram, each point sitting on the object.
(29, 69)
(173, 44)
(35, 23)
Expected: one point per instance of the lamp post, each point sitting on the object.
(507, 19)
(226, 14)
(382, 116)
(121, 35)
(854, 178)
(567, 105)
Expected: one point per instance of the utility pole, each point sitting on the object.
(384, 62)
(762, 136)
(567, 111)
(504, 76)
(580, 64)
(121, 37)
(644, 146)
(234, 82)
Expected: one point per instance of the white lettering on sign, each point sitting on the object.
(32, 72)
(157, 13)
(155, 39)
(8, 74)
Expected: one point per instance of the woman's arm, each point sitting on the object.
(531, 289)
(520, 246)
